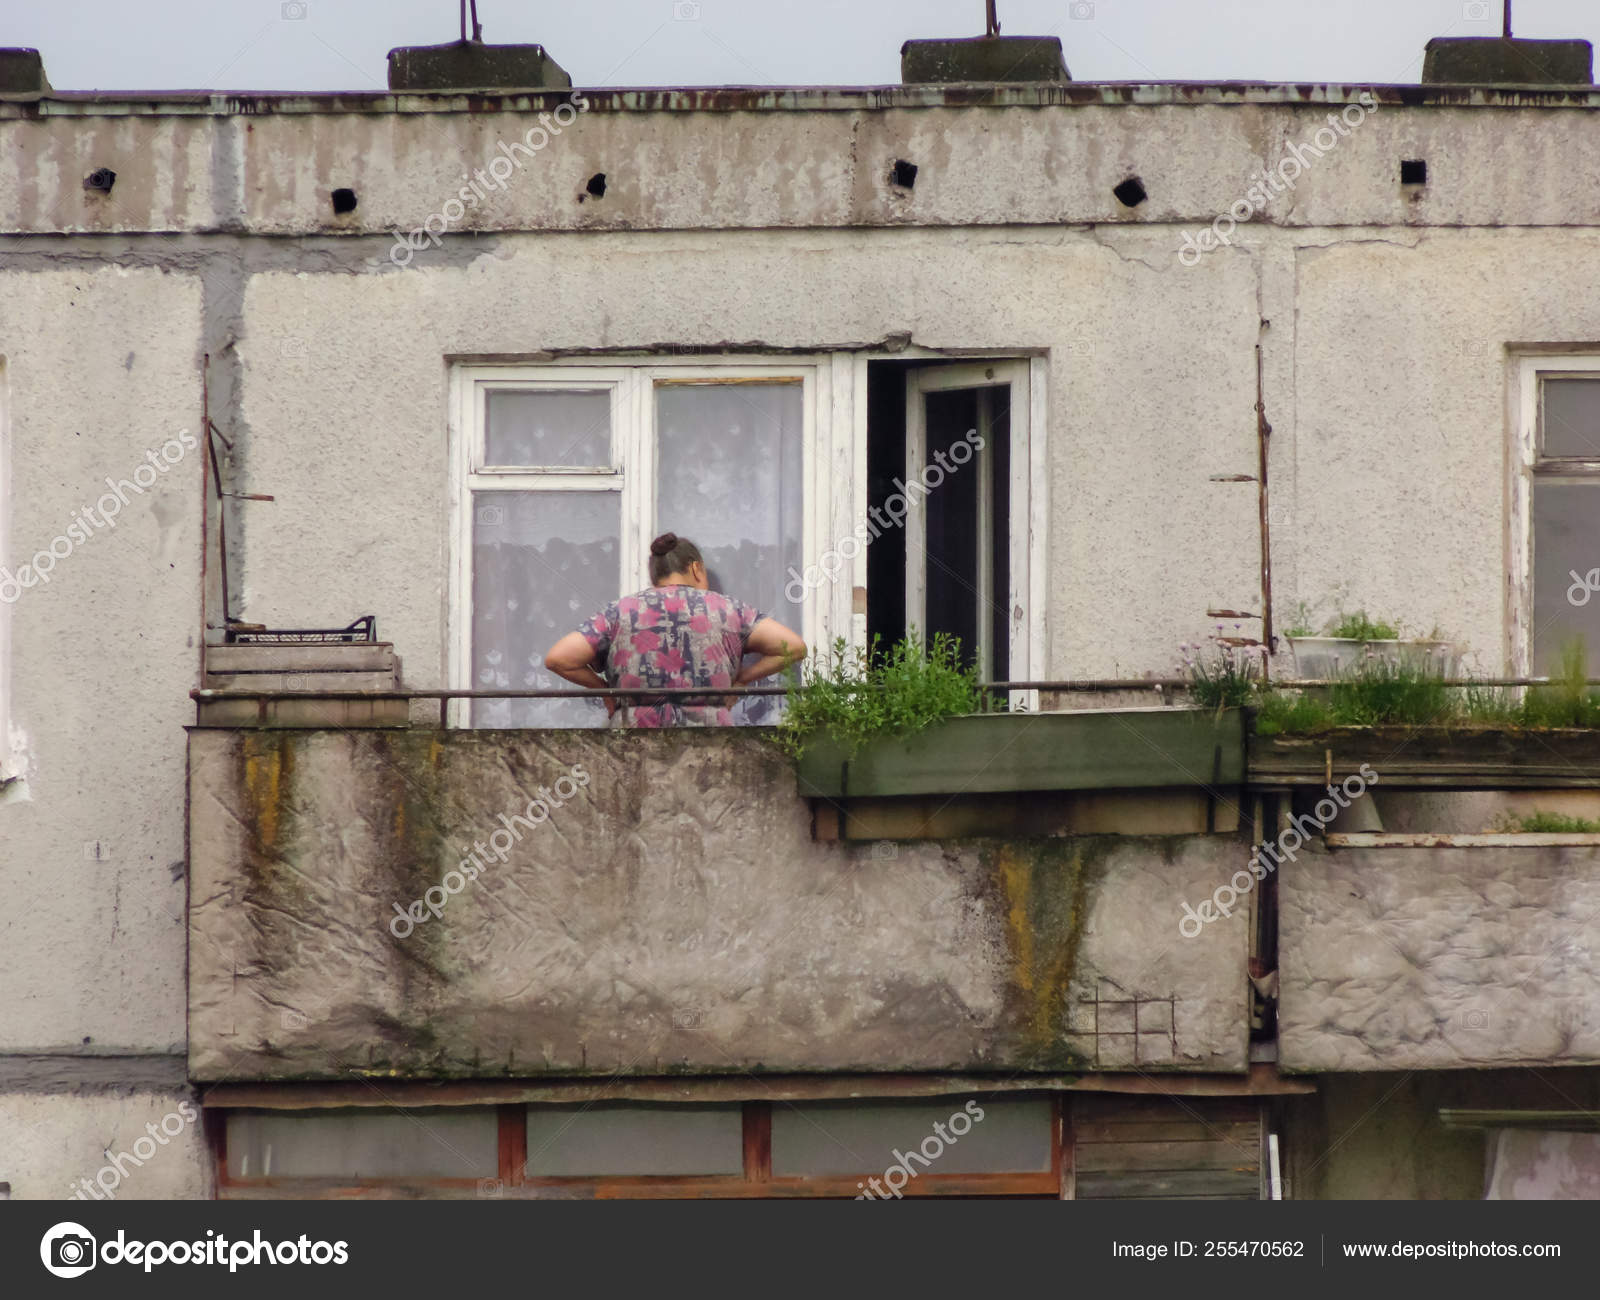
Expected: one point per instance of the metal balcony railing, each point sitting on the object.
(988, 690)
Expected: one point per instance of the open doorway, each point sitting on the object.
(946, 443)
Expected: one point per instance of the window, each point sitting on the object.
(564, 473)
(991, 1136)
(1556, 545)
(999, 1145)
(568, 472)
(616, 1139)
(362, 1145)
(1085, 1146)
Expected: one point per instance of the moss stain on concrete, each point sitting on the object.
(268, 771)
(1048, 887)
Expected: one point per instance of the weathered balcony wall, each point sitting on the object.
(1439, 957)
(673, 914)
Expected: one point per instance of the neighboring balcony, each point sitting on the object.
(1440, 942)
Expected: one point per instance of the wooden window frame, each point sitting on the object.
(756, 1181)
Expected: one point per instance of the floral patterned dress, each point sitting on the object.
(671, 636)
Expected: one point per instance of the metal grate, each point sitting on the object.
(364, 630)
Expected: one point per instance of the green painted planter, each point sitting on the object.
(1111, 749)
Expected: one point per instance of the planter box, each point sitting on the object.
(1326, 657)
(1441, 758)
(1114, 749)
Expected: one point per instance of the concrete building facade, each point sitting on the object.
(256, 355)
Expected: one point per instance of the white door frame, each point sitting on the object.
(1023, 610)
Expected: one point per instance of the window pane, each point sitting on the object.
(547, 427)
(542, 562)
(967, 560)
(1566, 540)
(998, 450)
(728, 462)
(986, 1135)
(434, 1143)
(1572, 417)
(951, 514)
(619, 1139)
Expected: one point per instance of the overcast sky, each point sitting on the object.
(342, 44)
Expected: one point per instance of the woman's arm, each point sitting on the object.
(778, 647)
(572, 657)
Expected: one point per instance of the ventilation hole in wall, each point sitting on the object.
(1131, 192)
(344, 201)
(597, 185)
(904, 174)
(100, 179)
(1413, 171)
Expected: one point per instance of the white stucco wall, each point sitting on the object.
(1141, 543)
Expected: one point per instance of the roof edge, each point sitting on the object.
(795, 98)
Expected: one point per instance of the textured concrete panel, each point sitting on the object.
(719, 158)
(1438, 958)
(672, 915)
(136, 1144)
(99, 374)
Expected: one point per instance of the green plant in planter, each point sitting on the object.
(853, 696)
(1377, 691)
(1301, 620)
(1546, 823)
(1359, 627)
(1567, 701)
(1224, 677)
(1291, 712)
(1490, 706)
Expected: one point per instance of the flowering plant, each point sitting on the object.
(1223, 676)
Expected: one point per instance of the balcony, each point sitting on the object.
(423, 903)
(432, 904)
(1439, 942)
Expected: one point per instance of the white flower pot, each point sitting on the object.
(1325, 658)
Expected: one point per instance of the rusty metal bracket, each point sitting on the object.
(1264, 438)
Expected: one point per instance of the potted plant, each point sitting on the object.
(1408, 724)
(1352, 637)
(909, 721)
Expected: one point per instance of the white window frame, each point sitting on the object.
(936, 378)
(833, 477)
(1527, 459)
(826, 501)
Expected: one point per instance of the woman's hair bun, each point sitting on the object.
(663, 544)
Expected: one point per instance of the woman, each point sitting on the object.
(677, 632)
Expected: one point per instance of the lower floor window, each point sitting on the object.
(1088, 1146)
